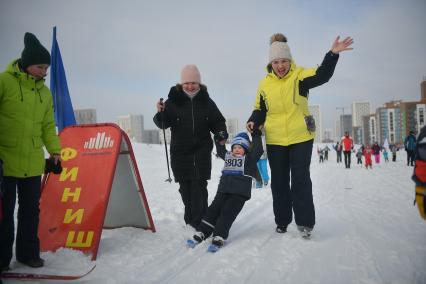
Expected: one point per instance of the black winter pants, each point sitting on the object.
(339, 156)
(221, 214)
(27, 242)
(347, 155)
(291, 183)
(411, 156)
(194, 196)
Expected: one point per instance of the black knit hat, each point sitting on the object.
(34, 52)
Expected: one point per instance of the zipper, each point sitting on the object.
(193, 127)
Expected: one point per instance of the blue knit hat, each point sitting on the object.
(241, 139)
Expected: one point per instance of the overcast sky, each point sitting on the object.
(120, 57)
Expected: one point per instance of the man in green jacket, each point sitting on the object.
(26, 125)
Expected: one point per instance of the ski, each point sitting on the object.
(40, 276)
(191, 243)
(213, 248)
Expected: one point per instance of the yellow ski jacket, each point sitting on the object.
(282, 103)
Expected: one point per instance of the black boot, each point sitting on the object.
(35, 263)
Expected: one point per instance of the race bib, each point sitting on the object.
(233, 165)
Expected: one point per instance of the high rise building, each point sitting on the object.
(132, 125)
(420, 116)
(369, 129)
(85, 116)
(359, 109)
(389, 123)
(409, 118)
(315, 111)
(337, 130)
(423, 89)
(345, 124)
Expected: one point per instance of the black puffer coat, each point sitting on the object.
(191, 121)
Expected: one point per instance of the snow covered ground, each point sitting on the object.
(367, 231)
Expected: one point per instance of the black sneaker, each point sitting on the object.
(35, 263)
(199, 237)
(281, 229)
(218, 241)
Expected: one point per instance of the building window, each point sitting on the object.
(391, 121)
(392, 138)
(421, 117)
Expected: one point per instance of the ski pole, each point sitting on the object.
(165, 142)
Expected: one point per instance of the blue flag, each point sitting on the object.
(64, 113)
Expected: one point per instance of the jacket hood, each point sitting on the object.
(14, 69)
(177, 95)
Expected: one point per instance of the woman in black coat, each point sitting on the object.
(191, 115)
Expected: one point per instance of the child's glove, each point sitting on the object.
(221, 136)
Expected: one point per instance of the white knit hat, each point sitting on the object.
(279, 48)
(190, 73)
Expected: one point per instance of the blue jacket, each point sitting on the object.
(240, 183)
(410, 143)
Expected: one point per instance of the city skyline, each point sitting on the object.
(122, 57)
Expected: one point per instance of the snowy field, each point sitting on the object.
(367, 231)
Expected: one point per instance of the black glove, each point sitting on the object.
(51, 167)
(220, 136)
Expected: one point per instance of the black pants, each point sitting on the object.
(194, 196)
(285, 162)
(221, 214)
(339, 156)
(347, 155)
(359, 161)
(410, 157)
(27, 242)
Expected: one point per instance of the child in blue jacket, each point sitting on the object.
(234, 187)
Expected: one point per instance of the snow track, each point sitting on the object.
(367, 231)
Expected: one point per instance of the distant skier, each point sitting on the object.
(234, 187)
(359, 157)
(393, 149)
(347, 146)
(410, 146)
(376, 152)
(385, 155)
(367, 157)
(320, 155)
(338, 148)
(326, 149)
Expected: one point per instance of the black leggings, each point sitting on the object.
(27, 242)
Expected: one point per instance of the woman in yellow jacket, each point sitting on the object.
(281, 106)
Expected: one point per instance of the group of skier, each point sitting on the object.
(367, 152)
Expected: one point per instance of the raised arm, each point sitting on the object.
(326, 69)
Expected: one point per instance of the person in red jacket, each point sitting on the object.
(367, 157)
(347, 145)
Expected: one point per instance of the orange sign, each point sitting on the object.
(74, 203)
